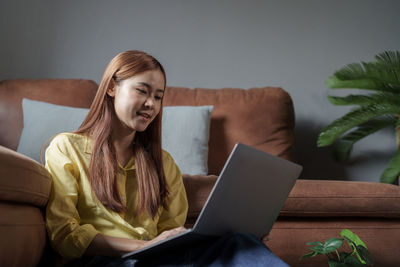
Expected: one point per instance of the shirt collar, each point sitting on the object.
(89, 148)
(88, 145)
(129, 166)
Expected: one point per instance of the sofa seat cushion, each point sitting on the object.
(22, 179)
(259, 117)
(311, 198)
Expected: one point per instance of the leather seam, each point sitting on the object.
(340, 197)
(33, 169)
(21, 225)
(23, 191)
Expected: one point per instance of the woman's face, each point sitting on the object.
(137, 100)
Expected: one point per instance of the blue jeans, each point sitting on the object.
(230, 250)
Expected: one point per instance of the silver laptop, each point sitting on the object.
(247, 197)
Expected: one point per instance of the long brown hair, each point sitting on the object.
(103, 169)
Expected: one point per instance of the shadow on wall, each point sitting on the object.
(366, 163)
(317, 162)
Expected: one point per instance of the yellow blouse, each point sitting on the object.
(74, 216)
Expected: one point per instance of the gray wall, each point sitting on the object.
(293, 44)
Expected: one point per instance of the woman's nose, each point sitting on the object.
(149, 102)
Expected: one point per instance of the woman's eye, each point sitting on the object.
(158, 97)
(141, 91)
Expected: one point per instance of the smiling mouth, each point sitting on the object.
(143, 115)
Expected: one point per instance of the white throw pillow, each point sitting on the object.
(185, 134)
(185, 131)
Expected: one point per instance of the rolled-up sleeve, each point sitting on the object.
(67, 236)
(175, 216)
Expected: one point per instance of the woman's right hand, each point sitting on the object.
(116, 246)
(166, 234)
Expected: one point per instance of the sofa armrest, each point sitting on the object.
(22, 179)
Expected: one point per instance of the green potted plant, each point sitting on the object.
(359, 256)
(374, 111)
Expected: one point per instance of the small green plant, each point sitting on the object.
(359, 256)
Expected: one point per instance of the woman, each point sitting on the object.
(115, 190)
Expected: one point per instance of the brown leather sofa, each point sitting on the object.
(261, 117)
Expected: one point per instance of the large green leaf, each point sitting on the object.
(367, 84)
(354, 242)
(309, 255)
(398, 131)
(333, 263)
(365, 99)
(334, 82)
(333, 244)
(351, 100)
(392, 171)
(344, 145)
(346, 233)
(381, 72)
(329, 246)
(389, 59)
(352, 119)
(352, 262)
(365, 255)
(348, 260)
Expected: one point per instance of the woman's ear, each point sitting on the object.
(111, 91)
(111, 88)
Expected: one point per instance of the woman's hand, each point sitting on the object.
(113, 246)
(165, 235)
(116, 246)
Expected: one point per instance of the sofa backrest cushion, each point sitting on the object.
(67, 92)
(260, 117)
